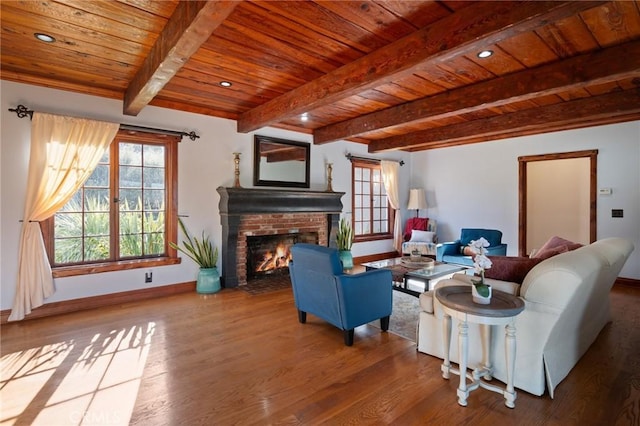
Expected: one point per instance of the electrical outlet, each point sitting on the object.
(148, 277)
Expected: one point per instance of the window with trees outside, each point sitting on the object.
(372, 215)
(126, 211)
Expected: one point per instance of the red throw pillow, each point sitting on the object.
(510, 268)
(417, 223)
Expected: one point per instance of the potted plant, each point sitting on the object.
(344, 240)
(205, 255)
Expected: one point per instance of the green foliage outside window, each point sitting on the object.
(70, 246)
(135, 240)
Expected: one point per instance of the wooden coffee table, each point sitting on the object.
(401, 272)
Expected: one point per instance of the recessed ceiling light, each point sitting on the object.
(225, 84)
(485, 53)
(304, 116)
(44, 37)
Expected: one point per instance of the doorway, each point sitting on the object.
(557, 196)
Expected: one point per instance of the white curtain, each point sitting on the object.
(64, 153)
(390, 179)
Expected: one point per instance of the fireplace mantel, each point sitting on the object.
(235, 203)
(241, 201)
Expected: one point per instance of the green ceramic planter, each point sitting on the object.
(208, 281)
(346, 258)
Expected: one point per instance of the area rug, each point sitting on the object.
(404, 316)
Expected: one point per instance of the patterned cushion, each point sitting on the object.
(425, 249)
(467, 251)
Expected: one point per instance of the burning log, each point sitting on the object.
(275, 260)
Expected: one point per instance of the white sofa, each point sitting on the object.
(566, 306)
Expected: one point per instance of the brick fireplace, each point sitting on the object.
(250, 212)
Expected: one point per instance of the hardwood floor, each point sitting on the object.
(233, 358)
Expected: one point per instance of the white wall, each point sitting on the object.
(462, 191)
(203, 165)
(476, 186)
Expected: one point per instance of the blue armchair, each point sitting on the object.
(345, 300)
(451, 252)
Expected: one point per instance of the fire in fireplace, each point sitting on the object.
(270, 254)
(274, 260)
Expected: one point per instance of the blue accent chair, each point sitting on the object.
(450, 252)
(321, 288)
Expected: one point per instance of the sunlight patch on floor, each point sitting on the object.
(74, 384)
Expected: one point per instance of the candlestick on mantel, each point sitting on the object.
(329, 179)
(236, 160)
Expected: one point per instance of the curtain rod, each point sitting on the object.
(375, 160)
(22, 111)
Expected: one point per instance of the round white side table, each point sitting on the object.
(457, 303)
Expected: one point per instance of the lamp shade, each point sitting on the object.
(417, 201)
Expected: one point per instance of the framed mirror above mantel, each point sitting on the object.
(281, 162)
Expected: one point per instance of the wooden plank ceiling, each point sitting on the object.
(390, 74)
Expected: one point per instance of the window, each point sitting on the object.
(372, 215)
(125, 213)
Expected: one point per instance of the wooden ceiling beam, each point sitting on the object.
(586, 111)
(470, 29)
(188, 28)
(38, 80)
(533, 131)
(596, 68)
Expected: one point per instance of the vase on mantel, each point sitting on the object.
(478, 298)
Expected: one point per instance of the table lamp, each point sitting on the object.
(417, 200)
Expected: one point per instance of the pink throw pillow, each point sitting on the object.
(555, 245)
(510, 268)
(547, 253)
